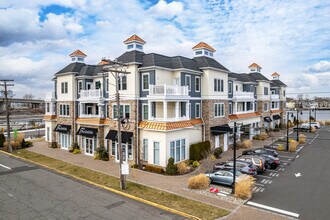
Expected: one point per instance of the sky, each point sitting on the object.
(291, 38)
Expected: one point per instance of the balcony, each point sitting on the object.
(168, 91)
(90, 116)
(242, 96)
(263, 97)
(173, 119)
(274, 96)
(91, 95)
(50, 97)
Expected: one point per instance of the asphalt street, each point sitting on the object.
(303, 187)
(30, 192)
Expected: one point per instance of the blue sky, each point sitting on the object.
(289, 37)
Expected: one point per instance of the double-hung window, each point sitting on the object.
(64, 110)
(124, 111)
(188, 81)
(219, 109)
(230, 87)
(145, 81)
(80, 86)
(145, 111)
(197, 110)
(265, 107)
(107, 85)
(145, 149)
(64, 87)
(122, 82)
(218, 85)
(230, 108)
(178, 150)
(265, 90)
(197, 84)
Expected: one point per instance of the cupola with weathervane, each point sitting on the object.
(203, 49)
(78, 56)
(134, 43)
(275, 76)
(255, 68)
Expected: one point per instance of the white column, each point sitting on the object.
(187, 109)
(165, 110)
(51, 108)
(244, 106)
(81, 109)
(101, 112)
(251, 132)
(149, 110)
(177, 110)
(235, 108)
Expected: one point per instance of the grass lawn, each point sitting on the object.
(198, 209)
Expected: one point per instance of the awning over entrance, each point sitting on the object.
(267, 119)
(222, 129)
(276, 117)
(62, 128)
(87, 132)
(125, 136)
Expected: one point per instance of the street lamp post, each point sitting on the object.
(234, 171)
(298, 124)
(310, 118)
(287, 132)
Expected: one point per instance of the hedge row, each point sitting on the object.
(198, 150)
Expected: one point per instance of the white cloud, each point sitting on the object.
(320, 66)
(167, 10)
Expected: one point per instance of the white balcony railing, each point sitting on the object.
(89, 116)
(50, 96)
(91, 94)
(274, 96)
(239, 95)
(170, 119)
(263, 97)
(164, 90)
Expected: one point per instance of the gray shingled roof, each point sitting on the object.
(277, 82)
(72, 67)
(258, 76)
(131, 57)
(204, 62)
(243, 77)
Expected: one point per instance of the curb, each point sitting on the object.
(109, 189)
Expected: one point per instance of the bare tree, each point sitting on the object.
(28, 96)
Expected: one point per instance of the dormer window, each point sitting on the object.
(130, 46)
(206, 52)
(211, 54)
(80, 59)
(139, 46)
(78, 56)
(199, 52)
(73, 59)
(253, 70)
(203, 49)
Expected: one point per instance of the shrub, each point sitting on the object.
(197, 150)
(313, 129)
(28, 144)
(217, 152)
(200, 181)
(263, 136)
(76, 151)
(154, 169)
(171, 167)
(195, 164)
(302, 139)
(75, 146)
(257, 137)
(321, 123)
(293, 146)
(243, 187)
(281, 126)
(182, 168)
(2, 139)
(245, 144)
(53, 145)
(101, 154)
(327, 123)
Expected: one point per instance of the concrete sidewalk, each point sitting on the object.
(173, 184)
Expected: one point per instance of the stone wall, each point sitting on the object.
(210, 120)
(261, 111)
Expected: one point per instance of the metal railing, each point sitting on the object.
(91, 94)
(163, 90)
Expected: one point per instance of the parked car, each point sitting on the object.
(260, 151)
(302, 127)
(224, 176)
(243, 166)
(316, 125)
(271, 162)
(256, 160)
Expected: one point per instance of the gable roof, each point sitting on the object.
(205, 62)
(258, 76)
(131, 57)
(255, 65)
(275, 74)
(277, 82)
(79, 53)
(136, 38)
(243, 77)
(72, 67)
(201, 45)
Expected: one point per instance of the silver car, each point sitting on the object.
(223, 176)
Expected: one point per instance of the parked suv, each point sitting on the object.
(224, 176)
(243, 166)
(260, 151)
(256, 160)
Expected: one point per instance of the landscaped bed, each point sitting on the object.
(198, 209)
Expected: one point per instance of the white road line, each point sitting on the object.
(274, 171)
(296, 215)
(5, 166)
(263, 181)
(284, 156)
(258, 184)
(277, 175)
(264, 176)
(297, 156)
(266, 181)
(263, 189)
(270, 181)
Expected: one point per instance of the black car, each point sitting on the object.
(270, 156)
(242, 166)
(260, 151)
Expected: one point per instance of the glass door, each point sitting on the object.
(124, 149)
(89, 146)
(64, 141)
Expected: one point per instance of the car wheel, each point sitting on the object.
(211, 181)
(267, 166)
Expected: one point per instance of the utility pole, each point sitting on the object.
(234, 168)
(116, 68)
(5, 84)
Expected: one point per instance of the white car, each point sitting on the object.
(315, 125)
